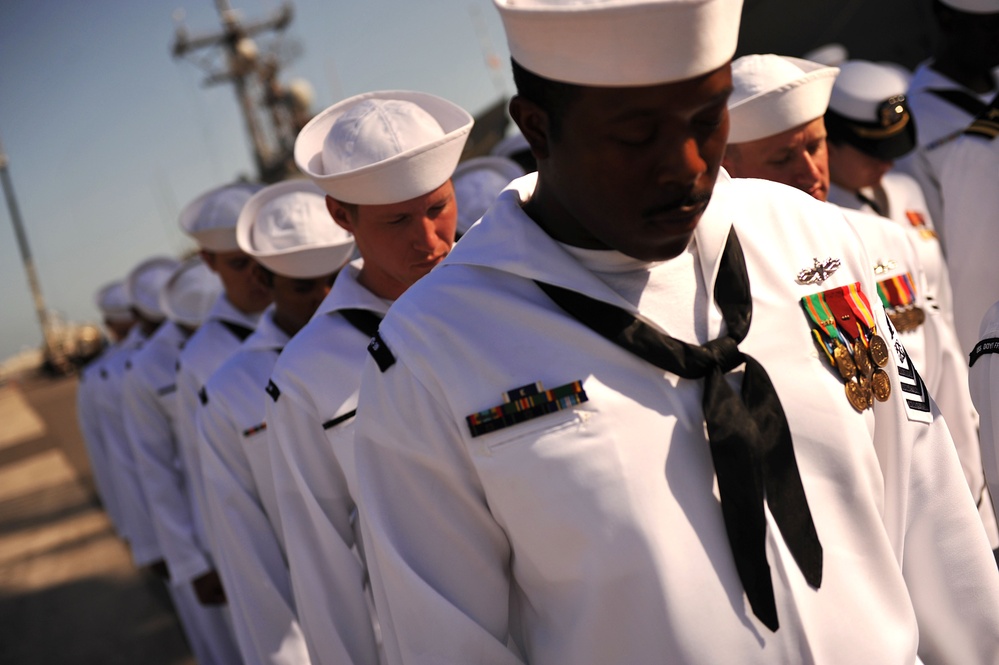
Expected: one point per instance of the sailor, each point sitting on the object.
(971, 198)
(142, 286)
(984, 379)
(286, 229)
(540, 462)
(477, 182)
(780, 101)
(211, 220)
(148, 406)
(118, 318)
(869, 126)
(949, 90)
(384, 160)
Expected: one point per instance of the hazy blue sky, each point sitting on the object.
(108, 136)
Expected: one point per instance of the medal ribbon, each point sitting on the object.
(845, 316)
(861, 308)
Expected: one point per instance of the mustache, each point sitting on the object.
(690, 199)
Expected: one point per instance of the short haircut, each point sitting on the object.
(553, 97)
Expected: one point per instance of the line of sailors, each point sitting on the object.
(297, 518)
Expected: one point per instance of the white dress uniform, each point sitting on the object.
(935, 351)
(219, 336)
(938, 123)
(984, 379)
(235, 461)
(149, 409)
(134, 510)
(310, 433)
(593, 534)
(89, 418)
(907, 208)
(971, 199)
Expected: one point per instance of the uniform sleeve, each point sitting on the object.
(132, 501)
(163, 480)
(440, 564)
(247, 554)
(89, 420)
(932, 522)
(314, 509)
(984, 381)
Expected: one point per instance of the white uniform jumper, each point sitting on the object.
(219, 336)
(593, 534)
(310, 431)
(935, 351)
(131, 499)
(149, 409)
(984, 378)
(938, 122)
(90, 426)
(906, 206)
(235, 462)
(971, 199)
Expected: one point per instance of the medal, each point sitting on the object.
(844, 363)
(879, 350)
(881, 385)
(855, 395)
(862, 356)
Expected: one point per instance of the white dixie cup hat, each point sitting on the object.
(190, 293)
(775, 93)
(287, 228)
(621, 42)
(113, 303)
(211, 218)
(144, 283)
(477, 183)
(383, 147)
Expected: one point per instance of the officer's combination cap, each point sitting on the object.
(868, 110)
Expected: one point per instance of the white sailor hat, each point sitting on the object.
(510, 146)
(974, 6)
(775, 93)
(383, 147)
(621, 42)
(832, 54)
(190, 292)
(144, 283)
(477, 183)
(868, 110)
(113, 303)
(287, 228)
(211, 218)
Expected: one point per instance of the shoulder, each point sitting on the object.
(986, 124)
(318, 353)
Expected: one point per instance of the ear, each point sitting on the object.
(533, 123)
(210, 259)
(339, 214)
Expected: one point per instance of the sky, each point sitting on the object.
(108, 136)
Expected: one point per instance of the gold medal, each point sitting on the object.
(879, 350)
(856, 396)
(918, 316)
(844, 363)
(881, 385)
(865, 389)
(863, 359)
